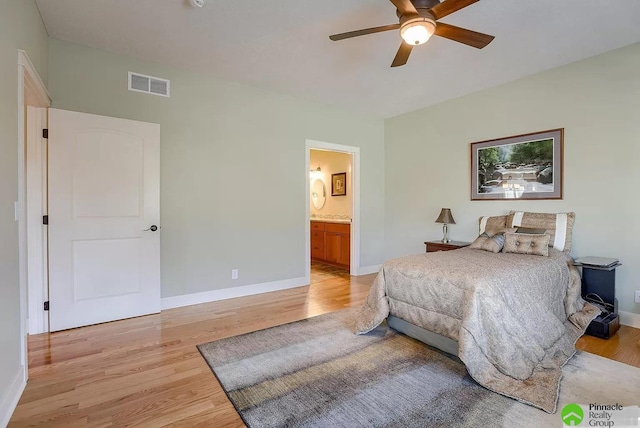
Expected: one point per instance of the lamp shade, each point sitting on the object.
(445, 217)
(418, 30)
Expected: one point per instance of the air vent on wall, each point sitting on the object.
(148, 84)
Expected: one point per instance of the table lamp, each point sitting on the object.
(446, 218)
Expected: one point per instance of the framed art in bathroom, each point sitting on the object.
(339, 184)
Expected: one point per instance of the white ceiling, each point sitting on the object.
(284, 44)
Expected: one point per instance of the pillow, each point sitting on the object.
(492, 225)
(559, 226)
(531, 230)
(492, 244)
(526, 243)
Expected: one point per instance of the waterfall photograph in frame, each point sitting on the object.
(527, 166)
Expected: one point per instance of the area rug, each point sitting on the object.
(318, 373)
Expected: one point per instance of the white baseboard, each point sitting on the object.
(629, 318)
(230, 293)
(366, 270)
(11, 397)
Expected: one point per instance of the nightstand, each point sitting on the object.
(599, 285)
(434, 246)
(601, 280)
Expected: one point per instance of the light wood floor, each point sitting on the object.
(147, 371)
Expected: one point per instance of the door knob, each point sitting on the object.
(153, 228)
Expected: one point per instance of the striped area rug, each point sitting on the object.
(317, 373)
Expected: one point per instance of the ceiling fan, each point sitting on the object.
(418, 23)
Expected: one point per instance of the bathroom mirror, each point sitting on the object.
(318, 193)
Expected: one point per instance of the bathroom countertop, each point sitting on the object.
(332, 219)
(329, 220)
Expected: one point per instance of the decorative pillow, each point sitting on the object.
(492, 244)
(492, 225)
(531, 230)
(559, 226)
(526, 243)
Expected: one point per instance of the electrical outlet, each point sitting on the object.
(234, 273)
(637, 299)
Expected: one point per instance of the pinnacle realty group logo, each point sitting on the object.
(572, 415)
(600, 415)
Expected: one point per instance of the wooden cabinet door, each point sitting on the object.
(332, 246)
(344, 257)
(317, 245)
(331, 243)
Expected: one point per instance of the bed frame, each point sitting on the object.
(443, 343)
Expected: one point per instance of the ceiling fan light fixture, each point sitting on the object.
(418, 30)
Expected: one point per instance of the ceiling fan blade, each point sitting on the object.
(405, 7)
(403, 55)
(447, 7)
(462, 35)
(364, 32)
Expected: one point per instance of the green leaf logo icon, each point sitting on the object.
(572, 415)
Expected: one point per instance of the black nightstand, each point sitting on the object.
(433, 246)
(599, 283)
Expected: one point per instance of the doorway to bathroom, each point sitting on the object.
(333, 234)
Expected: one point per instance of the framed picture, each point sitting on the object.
(339, 184)
(527, 166)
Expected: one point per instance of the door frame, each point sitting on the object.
(36, 206)
(355, 203)
(32, 92)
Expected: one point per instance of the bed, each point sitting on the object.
(512, 317)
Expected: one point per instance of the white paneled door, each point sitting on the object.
(104, 219)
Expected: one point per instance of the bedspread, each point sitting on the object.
(516, 317)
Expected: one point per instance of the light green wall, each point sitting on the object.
(20, 28)
(232, 166)
(597, 101)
